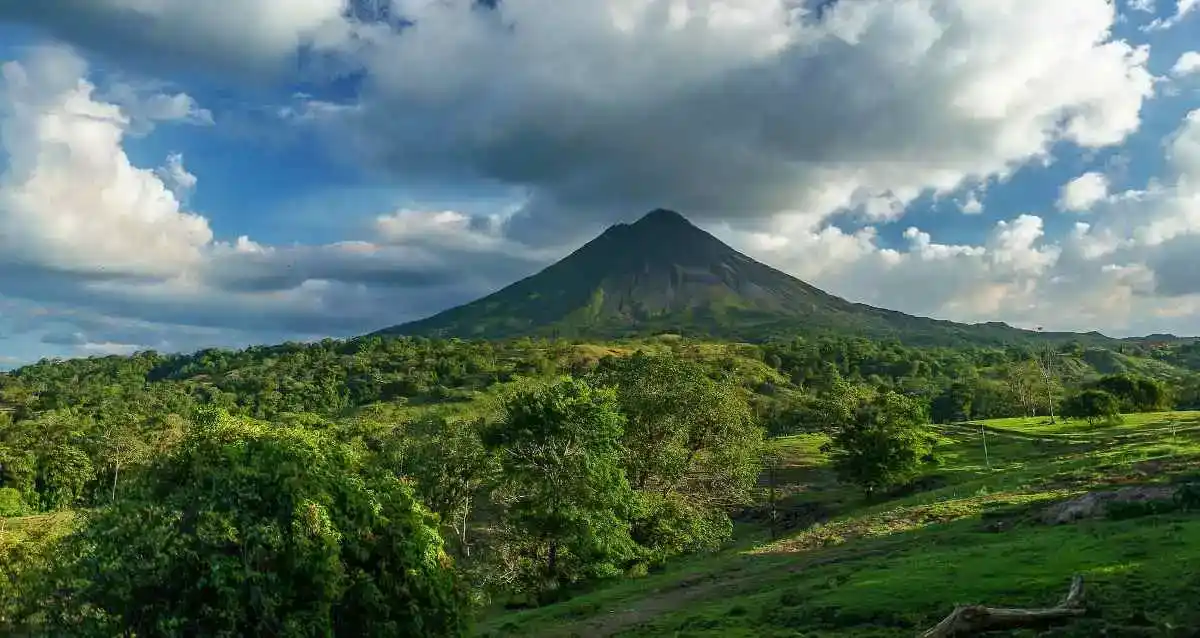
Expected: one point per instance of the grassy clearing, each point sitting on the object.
(969, 534)
(32, 529)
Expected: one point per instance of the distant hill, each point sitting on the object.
(663, 274)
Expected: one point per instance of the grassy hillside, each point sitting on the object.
(972, 535)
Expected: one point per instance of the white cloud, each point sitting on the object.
(82, 227)
(729, 108)
(1145, 6)
(70, 199)
(1083, 192)
(146, 106)
(252, 37)
(740, 110)
(1183, 8)
(176, 177)
(1130, 270)
(1187, 64)
(972, 205)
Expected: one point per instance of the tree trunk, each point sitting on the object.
(116, 470)
(969, 620)
(466, 549)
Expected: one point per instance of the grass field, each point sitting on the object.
(969, 533)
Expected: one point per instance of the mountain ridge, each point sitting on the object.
(664, 274)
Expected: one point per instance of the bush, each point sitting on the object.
(11, 503)
(1094, 406)
(1187, 497)
(883, 444)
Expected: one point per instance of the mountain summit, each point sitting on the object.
(663, 274)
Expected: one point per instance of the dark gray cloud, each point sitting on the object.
(867, 106)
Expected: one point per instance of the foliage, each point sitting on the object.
(685, 432)
(1093, 406)
(953, 404)
(253, 530)
(1187, 497)
(62, 475)
(1134, 393)
(879, 568)
(452, 468)
(669, 525)
(565, 495)
(11, 503)
(884, 443)
(18, 472)
(84, 433)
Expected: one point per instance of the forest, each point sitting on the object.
(403, 486)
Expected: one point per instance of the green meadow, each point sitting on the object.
(970, 532)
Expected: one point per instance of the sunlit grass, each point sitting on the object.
(973, 535)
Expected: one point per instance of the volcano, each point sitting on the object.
(664, 274)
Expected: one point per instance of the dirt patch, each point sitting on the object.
(648, 607)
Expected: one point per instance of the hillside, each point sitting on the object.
(663, 274)
(979, 530)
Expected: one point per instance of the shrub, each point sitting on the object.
(884, 443)
(1094, 406)
(11, 503)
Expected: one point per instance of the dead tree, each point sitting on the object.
(969, 620)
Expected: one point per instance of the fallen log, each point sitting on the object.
(969, 620)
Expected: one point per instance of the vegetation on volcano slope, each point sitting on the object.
(464, 429)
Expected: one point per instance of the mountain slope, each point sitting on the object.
(664, 274)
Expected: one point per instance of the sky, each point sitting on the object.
(177, 175)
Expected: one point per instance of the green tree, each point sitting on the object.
(11, 503)
(885, 443)
(18, 471)
(1134, 393)
(1094, 406)
(451, 465)
(249, 529)
(64, 472)
(953, 404)
(121, 445)
(685, 432)
(565, 497)
(692, 450)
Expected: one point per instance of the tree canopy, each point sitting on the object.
(249, 529)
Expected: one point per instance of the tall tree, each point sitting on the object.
(692, 450)
(686, 432)
(565, 497)
(451, 465)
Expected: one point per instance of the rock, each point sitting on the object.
(1094, 504)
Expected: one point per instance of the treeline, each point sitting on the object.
(69, 428)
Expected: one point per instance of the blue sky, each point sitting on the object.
(175, 175)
